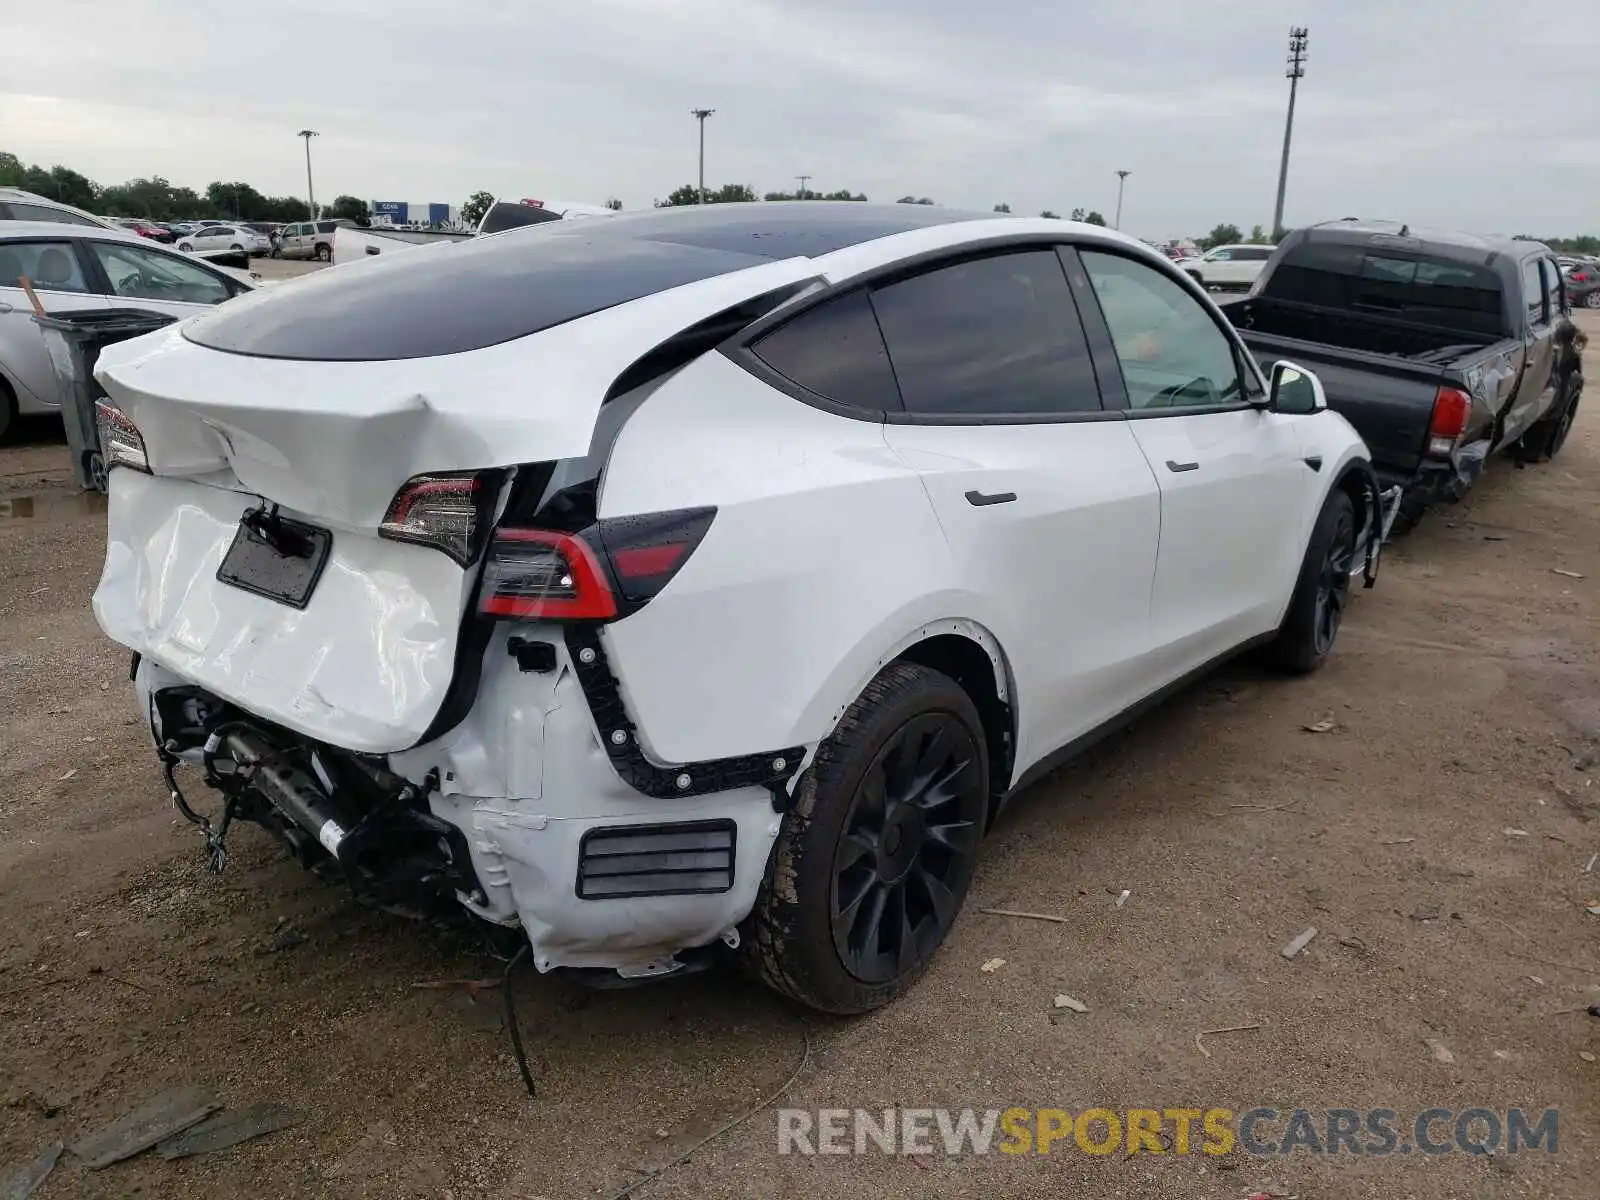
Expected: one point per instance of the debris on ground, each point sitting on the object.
(155, 1121)
(1588, 867)
(1201, 1046)
(1586, 1056)
(1512, 831)
(67, 776)
(1300, 942)
(1026, 916)
(1427, 912)
(228, 1129)
(471, 985)
(24, 1182)
(1353, 943)
(1398, 842)
(1066, 1001)
(1567, 574)
(993, 965)
(1122, 898)
(286, 940)
(1441, 1053)
(1594, 910)
(1322, 726)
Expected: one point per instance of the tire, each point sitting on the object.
(324, 252)
(1322, 591)
(8, 409)
(860, 892)
(1545, 439)
(236, 247)
(1592, 300)
(185, 247)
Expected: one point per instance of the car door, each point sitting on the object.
(58, 278)
(1536, 386)
(294, 241)
(1235, 483)
(141, 277)
(1049, 508)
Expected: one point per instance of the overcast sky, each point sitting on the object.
(1481, 114)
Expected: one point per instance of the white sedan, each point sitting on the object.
(238, 238)
(1228, 268)
(706, 579)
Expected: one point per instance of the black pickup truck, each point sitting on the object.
(1439, 347)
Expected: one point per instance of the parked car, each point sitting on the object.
(311, 239)
(1582, 285)
(145, 229)
(239, 238)
(705, 578)
(73, 268)
(1228, 267)
(18, 205)
(1440, 347)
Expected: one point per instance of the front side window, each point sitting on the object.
(1533, 290)
(991, 337)
(1220, 256)
(836, 351)
(140, 274)
(49, 266)
(1172, 353)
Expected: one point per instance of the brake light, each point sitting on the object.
(446, 510)
(538, 574)
(121, 443)
(607, 571)
(1451, 410)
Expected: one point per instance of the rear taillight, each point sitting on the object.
(1451, 410)
(121, 444)
(609, 570)
(446, 510)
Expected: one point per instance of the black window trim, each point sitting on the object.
(739, 348)
(1089, 307)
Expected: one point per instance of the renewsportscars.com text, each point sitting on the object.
(1263, 1132)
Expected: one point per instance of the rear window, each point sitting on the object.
(1416, 286)
(457, 297)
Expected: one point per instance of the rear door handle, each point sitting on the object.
(5, 308)
(978, 499)
(1178, 466)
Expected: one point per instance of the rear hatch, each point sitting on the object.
(303, 414)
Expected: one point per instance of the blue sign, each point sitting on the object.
(394, 210)
(438, 214)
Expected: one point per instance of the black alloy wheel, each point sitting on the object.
(906, 850)
(1333, 582)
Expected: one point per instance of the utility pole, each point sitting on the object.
(311, 195)
(803, 180)
(1122, 179)
(700, 114)
(1297, 69)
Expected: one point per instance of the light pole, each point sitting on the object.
(804, 179)
(1122, 179)
(1297, 69)
(311, 196)
(700, 114)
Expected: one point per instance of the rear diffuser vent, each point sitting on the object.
(684, 859)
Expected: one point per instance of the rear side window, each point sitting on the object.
(1533, 290)
(49, 266)
(836, 351)
(1553, 289)
(990, 337)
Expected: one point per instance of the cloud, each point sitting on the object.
(1438, 111)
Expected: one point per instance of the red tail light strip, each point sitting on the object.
(591, 597)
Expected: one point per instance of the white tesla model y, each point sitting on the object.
(704, 578)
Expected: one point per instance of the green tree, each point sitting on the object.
(728, 193)
(841, 194)
(1258, 236)
(1052, 216)
(477, 204)
(913, 200)
(614, 204)
(237, 200)
(1221, 235)
(351, 209)
(1094, 218)
(1002, 208)
(11, 169)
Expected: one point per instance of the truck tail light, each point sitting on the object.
(121, 443)
(1451, 410)
(445, 510)
(609, 570)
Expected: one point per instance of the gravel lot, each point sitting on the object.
(1462, 694)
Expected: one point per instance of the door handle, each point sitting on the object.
(977, 499)
(6, 308)
(373, 250)
(1180, 467)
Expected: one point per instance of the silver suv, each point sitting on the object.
(18, 205)
(310, 239)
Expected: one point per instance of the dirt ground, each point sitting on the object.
(1452, 966)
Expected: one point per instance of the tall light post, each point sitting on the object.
(311, 195)
(700, 114)
(1297, 69)
(1122, 179)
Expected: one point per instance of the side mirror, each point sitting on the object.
(1295, 390)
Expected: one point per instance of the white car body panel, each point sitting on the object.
(1228, 270)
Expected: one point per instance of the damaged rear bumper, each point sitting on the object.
(517, 812)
